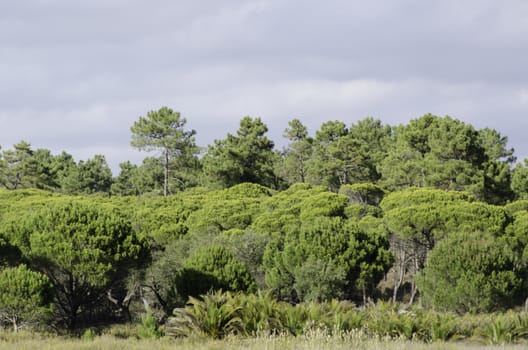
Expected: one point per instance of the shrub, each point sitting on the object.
(149, 327)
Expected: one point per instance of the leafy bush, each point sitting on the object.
(88, 335)
(149, 327)
(212, 268)
(25, 295)
(470, 273)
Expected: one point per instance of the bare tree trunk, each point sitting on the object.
(166, 178)
(416, 267)
(14, 321)
(399, 281)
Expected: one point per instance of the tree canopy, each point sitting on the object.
(164, 130)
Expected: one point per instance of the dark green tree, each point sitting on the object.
(211, 268)
(374, 140)
(246, 157)
(125, 183)
(327, 257)
(25, 296)
(438, 152)
(497, 167)
(90, 176)
(519, 180)
(83, 247)
(337, 158)
(164, 130)
(416, 219)
(150, 176)
(292, 167)
(18, 169)
(446, 153)
(470, 272)
(63, 164)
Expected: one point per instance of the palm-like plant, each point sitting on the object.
(215, 316)
(259, 313)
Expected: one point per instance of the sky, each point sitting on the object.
(75, 75)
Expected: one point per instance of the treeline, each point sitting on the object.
(429, 151)
(73, 261)
(429, 212)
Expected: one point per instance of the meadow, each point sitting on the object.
(315, 341)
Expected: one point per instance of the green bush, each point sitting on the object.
(88, 335)
(470, 273)
(212, 268)
(149, 327)
(25, 296)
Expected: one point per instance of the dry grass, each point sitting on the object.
(314, 341)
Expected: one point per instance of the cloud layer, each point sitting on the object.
(76, 75)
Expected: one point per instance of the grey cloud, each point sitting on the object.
(76, 75)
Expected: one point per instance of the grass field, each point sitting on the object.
(27, 341)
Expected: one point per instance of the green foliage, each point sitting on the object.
(246, 157)
(23, 167)
(327, 257)
(477, 216)
(25, 296)
(81, 246)
(164, 130)
(281, 212)
(219, 215)
(375, 142)
(124, 184)
(149, 327)
(260, 313)
(323, 204)
(248, 248)
(91, 176)
(443, 327)
(338, 158)
(418, 218)
(18, 168)
(162, 220)
(470, 273)
(359, 211)
(386, 320)
(88, 335)
(214, 316)
(516, 206)
(499, 331)
(212, 268)
(293, 164)
(223, 313)
(449, 154)
(318, 280)
(150, 176)
(415, 196)
(245, 190)
(363, 193)
(519, 180)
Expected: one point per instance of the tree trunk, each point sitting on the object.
(364, 290)
(14, 321)
(166, 178)
(72, 322)
(399, 281)
(413, 285)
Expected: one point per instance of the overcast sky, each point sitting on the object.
(75, 75)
